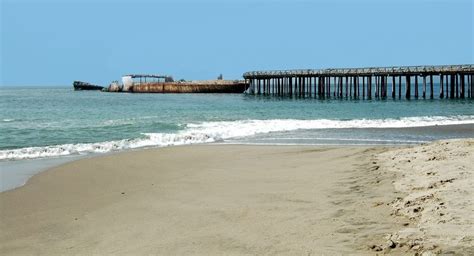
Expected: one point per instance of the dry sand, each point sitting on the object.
(234, 200)
(437, 185)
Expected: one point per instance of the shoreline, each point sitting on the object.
(233, 199)
(17, 173)
(13, 176)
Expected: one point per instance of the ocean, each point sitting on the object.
(47, 123)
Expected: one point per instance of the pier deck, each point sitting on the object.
(455, 81)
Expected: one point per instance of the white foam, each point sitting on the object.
(207, 132)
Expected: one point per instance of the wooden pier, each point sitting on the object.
(455, 81)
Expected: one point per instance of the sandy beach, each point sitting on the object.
(248, 200)
(270, 127)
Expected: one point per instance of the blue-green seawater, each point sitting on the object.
(46, 122)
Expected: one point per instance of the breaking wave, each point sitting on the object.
(207, 132)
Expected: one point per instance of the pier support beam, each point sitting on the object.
(393, 87)
(369, 87)
(341, 85)
(441, 86)
(399, 87)
(290, 85)
(407, 88)
(451, 86)
(416, 87)
(470, 86)
(323, 87)
(431, 87)
(329, 86)
(356, 89)
(376, 87)
(279, 86)
(269, 86)
(446, 91)
(424, 86)
(457, 85)
(382, 87)
(310, 79)
(363, 87)
(318, 86)
(347, 86)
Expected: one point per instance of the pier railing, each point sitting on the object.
(455, 81)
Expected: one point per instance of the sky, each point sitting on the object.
(54, 42)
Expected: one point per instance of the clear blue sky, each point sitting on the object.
(54, 42)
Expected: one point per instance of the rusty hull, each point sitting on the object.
(191, 87)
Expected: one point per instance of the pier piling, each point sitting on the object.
(431, 87)
(441, 86)
(416, 87)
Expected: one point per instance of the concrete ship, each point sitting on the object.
(165, 84)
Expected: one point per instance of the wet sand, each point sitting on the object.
(214, 200)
